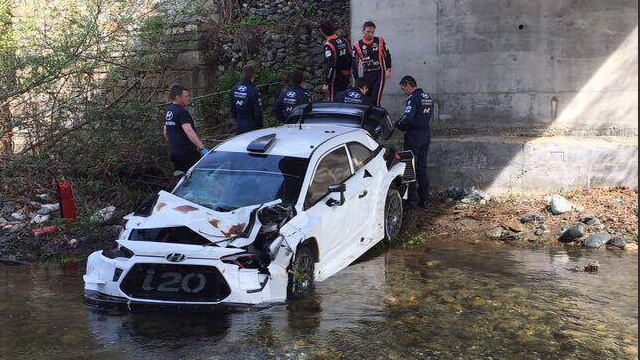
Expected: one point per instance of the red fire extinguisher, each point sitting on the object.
(67, 202)
(66, 196)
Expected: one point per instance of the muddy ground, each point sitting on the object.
(616, 208)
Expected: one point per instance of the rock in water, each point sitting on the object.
(592, 266)
(495, 233)
(560, 205)
(618, 242)
(573, 233)
(595, 241)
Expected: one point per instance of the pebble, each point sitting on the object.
(495, 233)
(511, 225)
(39, 219)
(48, 209)
(533, 217)
(592, 221)
(18, 216)
(560, 205)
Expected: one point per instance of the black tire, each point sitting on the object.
(301, 273)
(393, 212)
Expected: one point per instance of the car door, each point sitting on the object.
(361, 200)
(328, 223)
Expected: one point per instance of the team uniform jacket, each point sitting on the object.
(415, 119)
(246, 107)
(375, 60)
(289, 99)
(353, 96)
(338, 56)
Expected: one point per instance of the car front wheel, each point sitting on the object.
(392, 214)
(301, 273)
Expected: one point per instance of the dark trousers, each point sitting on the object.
(184, 159)
(421, 194)
(339, 84)
(376, 82)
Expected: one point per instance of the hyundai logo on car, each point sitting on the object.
(175, 257)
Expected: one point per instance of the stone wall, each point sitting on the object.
(275, 36)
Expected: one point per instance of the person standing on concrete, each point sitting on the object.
(293, 96)
(337, 53)
(180, 132)
(371, 51)
(356, 95)
(246, 103)
(417, 137)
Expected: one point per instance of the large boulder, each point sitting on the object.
(598, 240)
(560, 205)
(573, 233)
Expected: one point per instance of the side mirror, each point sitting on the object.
(341, 188)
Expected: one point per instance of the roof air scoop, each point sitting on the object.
(261, 144)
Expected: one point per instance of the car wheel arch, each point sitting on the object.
(312, 243)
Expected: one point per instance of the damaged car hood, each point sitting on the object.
(221, 228)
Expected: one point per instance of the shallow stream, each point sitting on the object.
(445, 300)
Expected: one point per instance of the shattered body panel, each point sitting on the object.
(178, 250)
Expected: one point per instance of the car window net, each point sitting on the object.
(332, 169)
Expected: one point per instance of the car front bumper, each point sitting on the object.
(247, 287)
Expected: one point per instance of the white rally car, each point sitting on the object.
(262, 216)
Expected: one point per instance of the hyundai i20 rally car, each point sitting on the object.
(263, 216)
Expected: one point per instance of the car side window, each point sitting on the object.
(333, 169)
(360, 155)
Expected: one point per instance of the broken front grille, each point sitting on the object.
(171, 282)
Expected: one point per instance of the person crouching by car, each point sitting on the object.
(357, 94)
(293, 96)
(180, 131)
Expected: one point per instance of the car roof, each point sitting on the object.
(290, 140)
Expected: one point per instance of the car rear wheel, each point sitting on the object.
(301, 273)
(392, 214)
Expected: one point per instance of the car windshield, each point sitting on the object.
(225, 181)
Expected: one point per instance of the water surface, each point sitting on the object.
(443, 301)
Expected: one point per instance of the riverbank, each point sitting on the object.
(527, 219)
(467, 215)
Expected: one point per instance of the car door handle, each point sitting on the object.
(363, 194)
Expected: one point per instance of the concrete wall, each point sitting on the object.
(498, 63)
(494, 67)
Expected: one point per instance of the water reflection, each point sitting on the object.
(442, 301)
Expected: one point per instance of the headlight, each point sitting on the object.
(118, 252)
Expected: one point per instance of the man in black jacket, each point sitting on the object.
(246, 104)
(337, 53)
(371, 51)
(180, 132)
(417, 137)
(293, 96)
(356, 95)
